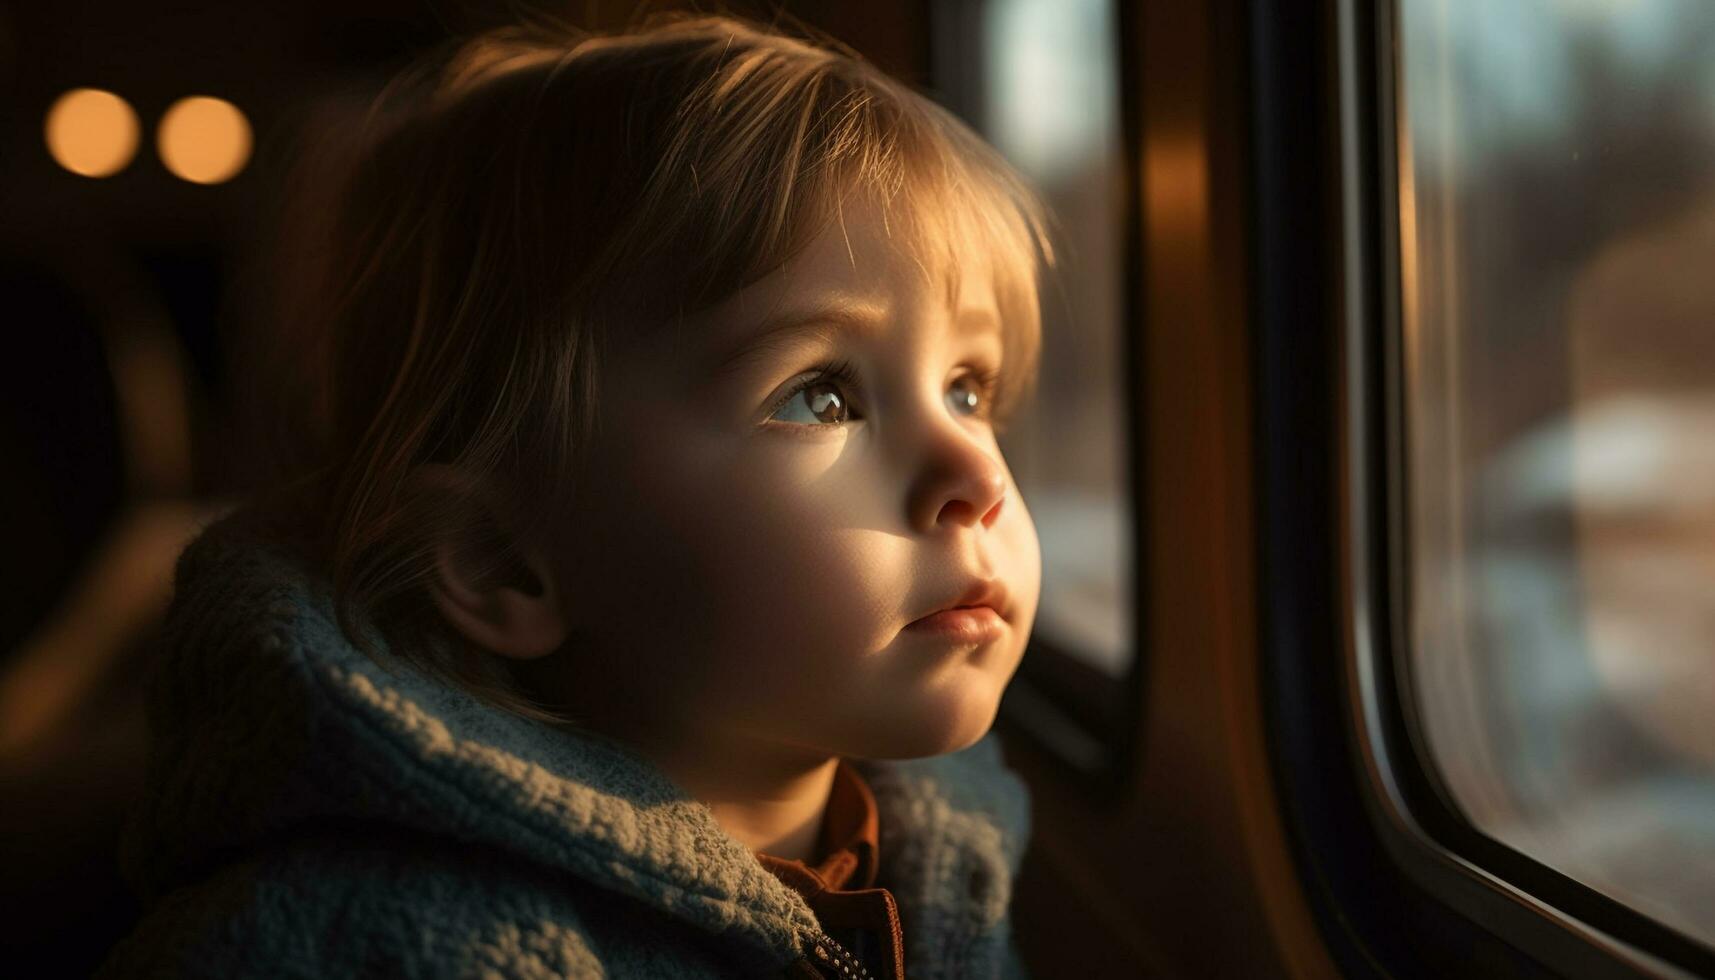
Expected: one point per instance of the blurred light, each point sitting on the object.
(92, 132)
(1050, 78)
(204, 140)
(1176, 185)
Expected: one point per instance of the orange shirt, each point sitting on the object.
(840, 887)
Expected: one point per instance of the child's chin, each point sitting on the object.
(929, 733)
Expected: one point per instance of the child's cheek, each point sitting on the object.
(1021, 551)
(779, 562)
(804, 562)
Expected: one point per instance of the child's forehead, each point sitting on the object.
(870, 248)
(867, 264)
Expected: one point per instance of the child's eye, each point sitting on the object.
(820, 402)
(821, 399)
(970, 394)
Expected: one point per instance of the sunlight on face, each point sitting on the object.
(779, 487)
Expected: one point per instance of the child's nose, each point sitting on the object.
(961, 484)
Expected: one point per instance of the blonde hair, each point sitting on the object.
(523, 199)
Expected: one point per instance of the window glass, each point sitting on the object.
(1557, 227)
(1045, 92)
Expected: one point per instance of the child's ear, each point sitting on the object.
(500, 593)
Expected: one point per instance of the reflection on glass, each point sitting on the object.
(1049, 89)
(1557, 217)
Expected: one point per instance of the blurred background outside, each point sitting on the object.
(1557, 216)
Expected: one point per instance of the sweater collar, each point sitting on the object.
(847, 847)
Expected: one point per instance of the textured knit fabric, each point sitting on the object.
(840, 887)
(312, 814)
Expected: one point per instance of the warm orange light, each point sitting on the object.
(1176, 187)
(204, 140)
(92, 132)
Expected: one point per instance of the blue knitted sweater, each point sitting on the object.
(312, 814)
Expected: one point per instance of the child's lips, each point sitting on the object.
(961, 624)
(975, 615)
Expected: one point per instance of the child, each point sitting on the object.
(661, 577)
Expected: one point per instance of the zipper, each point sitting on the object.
(836, 961)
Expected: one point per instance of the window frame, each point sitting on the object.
(1378, 842)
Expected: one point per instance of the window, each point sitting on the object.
(1557, 241)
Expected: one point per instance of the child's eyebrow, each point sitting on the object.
(790, 328)
(976, 320)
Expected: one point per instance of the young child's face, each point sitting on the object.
(742, 565)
